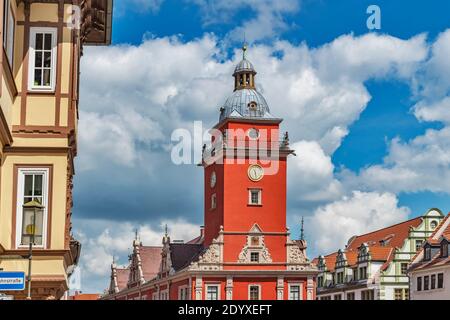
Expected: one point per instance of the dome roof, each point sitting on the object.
(244, 65)
(245, 103)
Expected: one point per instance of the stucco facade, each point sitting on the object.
(374, 265)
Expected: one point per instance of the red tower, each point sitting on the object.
(245, 251)
(245, 192)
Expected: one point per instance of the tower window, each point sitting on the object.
(255, 241)
(294, 292)
(252, 106)
(255, 197)
(212, 292)
(213, 201)
(254, 257)
(254, 292)
(247, 79)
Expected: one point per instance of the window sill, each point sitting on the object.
(254, 205)
(41, 92)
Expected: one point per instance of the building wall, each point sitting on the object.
(435, 294)
(40, 125)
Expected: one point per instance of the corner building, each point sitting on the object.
(43, 42)
(244, 251)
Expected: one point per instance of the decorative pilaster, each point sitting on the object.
(229, 288)
(198, 288)
(280, 288)
(310, 288)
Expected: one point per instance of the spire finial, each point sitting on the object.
(244, 47)
(136, 234)
(302, 235)
(166, 232)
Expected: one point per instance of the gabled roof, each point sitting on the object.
(122, 275)
(381, 244)
(394, 236)
(182, 254)
(150, 260)
(440, 233)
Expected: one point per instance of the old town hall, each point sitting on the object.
(244, 251)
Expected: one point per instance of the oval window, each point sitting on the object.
(253, 133)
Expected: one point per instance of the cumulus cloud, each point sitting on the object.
(310, 174)
(362, 212)
(134, 96)
(103, 239)
(423, 162)
(267, 17)
(141, 6)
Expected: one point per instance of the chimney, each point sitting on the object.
(202, 231)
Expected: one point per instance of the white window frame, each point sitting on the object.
(164, 294)
(259, 290)
(212, 285)
(31, 60)
(183, 290)
(296, 284)
(9, 29)
(19, 201)
(250, 202)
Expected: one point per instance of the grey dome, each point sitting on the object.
(244, 65)
(245, 103)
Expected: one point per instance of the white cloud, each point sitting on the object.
(102, 239)
(423, 162)
(362, 212)
(134, 96)
(138, 6)
(264, 19)
(310, 174)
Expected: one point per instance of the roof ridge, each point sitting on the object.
(391, 226)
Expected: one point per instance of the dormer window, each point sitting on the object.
(444, 249)
(427, 253)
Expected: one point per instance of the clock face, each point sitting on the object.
(255, 172)
(212, 181)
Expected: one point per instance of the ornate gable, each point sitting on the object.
(255, 250)
(136, 275)
(212, 257)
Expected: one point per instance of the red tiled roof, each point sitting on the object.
(382, 244)
(442, 231)
(352, 257)
(380, 253)
(122, 277)
(394, 235)
(150, 261)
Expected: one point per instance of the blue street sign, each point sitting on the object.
(12, 281)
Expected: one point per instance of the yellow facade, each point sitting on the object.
(38, 124)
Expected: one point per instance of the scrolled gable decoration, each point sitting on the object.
(212, 257)
(255, 243)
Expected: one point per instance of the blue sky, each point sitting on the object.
(366, 109)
